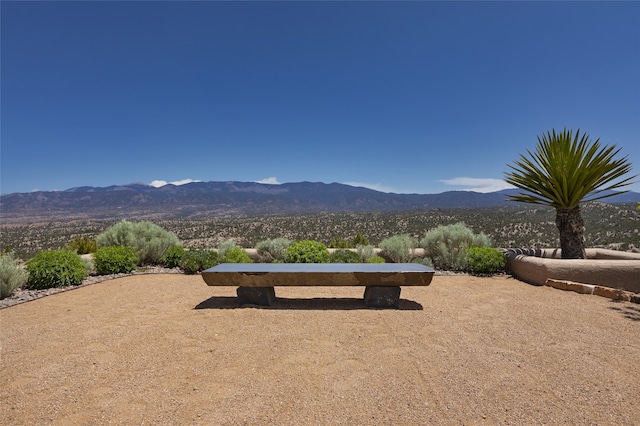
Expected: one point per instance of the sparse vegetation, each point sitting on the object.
(148, 239)
(197, 260)
(115, 260)
(83, 245)
(55, 268)
(172, 257)
(344, 256)
(273, 250)
(344, 243)
(613, 226)
(423, 261)
(13, 274)
(360, 240)
(339, 243)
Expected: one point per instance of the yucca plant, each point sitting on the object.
(564, 171)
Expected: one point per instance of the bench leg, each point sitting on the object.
(261, 296)
(382, 297)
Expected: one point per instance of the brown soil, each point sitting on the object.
(167, 349)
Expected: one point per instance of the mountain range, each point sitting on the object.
(198, 199)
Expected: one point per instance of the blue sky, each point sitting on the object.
(408, 97)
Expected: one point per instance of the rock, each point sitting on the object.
(612, 293)
(570, 286)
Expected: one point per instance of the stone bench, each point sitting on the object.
(256, 281)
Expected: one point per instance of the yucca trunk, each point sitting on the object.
(571, 227)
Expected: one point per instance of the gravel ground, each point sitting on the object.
(167, 349)
(26, 295)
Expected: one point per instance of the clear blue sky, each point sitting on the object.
(397, 96)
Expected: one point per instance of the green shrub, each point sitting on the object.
(150, 240)
(423, 261)
(55, 268)
(172, 257)
(485, 260)
(307, 251)
(236, 255)
(115, 260)
(273, 250)
(360, 240)
(12, 274)
(399, 248)
(344, 256)
(446, 246)
(375, 259)
(83, 245)
(338, 242)
(224, 246)
(197, 260)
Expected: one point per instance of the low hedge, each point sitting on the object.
(55, 268)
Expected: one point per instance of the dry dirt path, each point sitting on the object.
(167, 349)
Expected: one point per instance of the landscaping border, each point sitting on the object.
(602, 267)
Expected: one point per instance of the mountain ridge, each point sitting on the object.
(198, 199)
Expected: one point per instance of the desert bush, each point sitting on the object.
(399, 248)
(115, 260)
(344, 256)
(271, 250)
(236, 255)
(150, 240)
(89, 265)
(55, 268)
(172, 257)
(224, 246)
(197, 260)
(12, 274)
(307, 251)
(485, 260)
(423, 261)
(82, 245)
(447, 246)
(365, 251)
(375, 259)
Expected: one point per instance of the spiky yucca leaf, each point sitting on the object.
(566, 170)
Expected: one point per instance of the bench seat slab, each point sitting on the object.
(320, 274)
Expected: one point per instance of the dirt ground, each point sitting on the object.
(167, 349)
